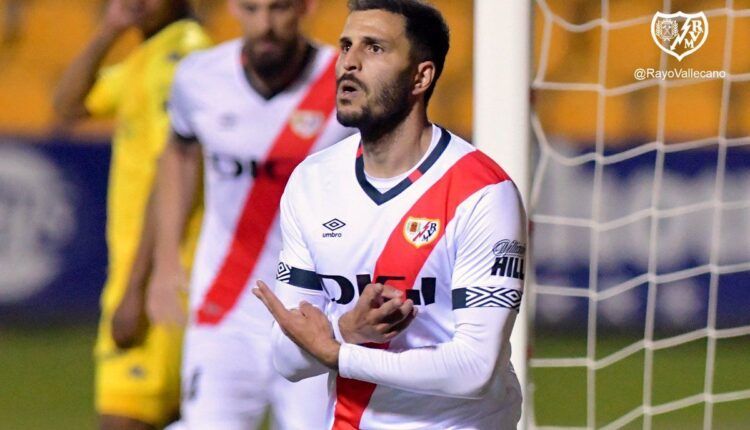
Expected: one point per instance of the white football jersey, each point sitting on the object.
(250, 145)
(452, 236)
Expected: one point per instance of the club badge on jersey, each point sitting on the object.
(307, 123)
(421, 231)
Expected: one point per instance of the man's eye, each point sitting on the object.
(345, 48)
(376, 48)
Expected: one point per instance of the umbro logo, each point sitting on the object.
(332, 226)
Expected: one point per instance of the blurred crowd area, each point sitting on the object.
(569, 41)
(38, 38)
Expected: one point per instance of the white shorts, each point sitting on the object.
(228, 382)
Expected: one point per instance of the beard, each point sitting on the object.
(393, 103)
(269, 66)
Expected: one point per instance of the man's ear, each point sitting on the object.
(424, 78)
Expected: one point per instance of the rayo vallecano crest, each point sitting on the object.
(421, 231)
(307, 123)
(679, 34)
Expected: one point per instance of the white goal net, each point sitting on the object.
(639, 292)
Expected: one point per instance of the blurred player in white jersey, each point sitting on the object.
(251, 109)
(408, 204)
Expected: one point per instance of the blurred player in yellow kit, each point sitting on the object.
(137, 365)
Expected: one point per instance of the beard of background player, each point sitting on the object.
(270, 64)
(381, 113)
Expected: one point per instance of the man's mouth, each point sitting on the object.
(348, 89)
(266, 46)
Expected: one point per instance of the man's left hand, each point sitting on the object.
(306, 326)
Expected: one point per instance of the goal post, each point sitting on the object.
(502, 70)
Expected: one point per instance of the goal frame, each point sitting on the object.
(502, 122)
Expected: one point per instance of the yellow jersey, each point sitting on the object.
(135, 92)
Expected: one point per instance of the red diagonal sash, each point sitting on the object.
(399, 257)
(262, 203)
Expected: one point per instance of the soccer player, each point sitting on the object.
(251, 109)
(137, 377)
(412, 206)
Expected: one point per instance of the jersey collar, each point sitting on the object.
(380, 198)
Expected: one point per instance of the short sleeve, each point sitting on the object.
(491, 251)
(179, 106)
(104, 96)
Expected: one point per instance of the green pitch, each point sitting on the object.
(679, 372)
(46, 382)
(46, 379)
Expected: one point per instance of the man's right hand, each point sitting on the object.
(379, 315)
(164, 303)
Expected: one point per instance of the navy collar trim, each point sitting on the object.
(380, 198)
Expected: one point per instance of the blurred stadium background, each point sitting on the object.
(640, 212)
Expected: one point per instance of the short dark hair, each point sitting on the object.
(425, 27)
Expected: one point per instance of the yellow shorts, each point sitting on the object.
(142, 383)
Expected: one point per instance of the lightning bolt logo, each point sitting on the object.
(683, 33)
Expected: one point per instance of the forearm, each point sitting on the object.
(143, 260)
(463, 367)
(79, 77)
(177, 179)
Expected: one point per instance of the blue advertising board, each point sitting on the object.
(53, 255)
(671, 226)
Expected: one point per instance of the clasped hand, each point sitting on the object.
(379, 315)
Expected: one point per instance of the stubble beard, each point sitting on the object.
(395, 102)
(268, 67)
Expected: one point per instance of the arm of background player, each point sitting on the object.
(296, 281)
(79, 78)
(463, 367)
(129, 322)
(177, 179)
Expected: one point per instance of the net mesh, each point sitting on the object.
(559, 97)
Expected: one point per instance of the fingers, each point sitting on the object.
(274, 305)
(390, 292)
(167, 311)
(399, 314)
(391, 311)
(306, 309)
(370, 297)
(165, 298)
(398, 328)
(397, 320)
